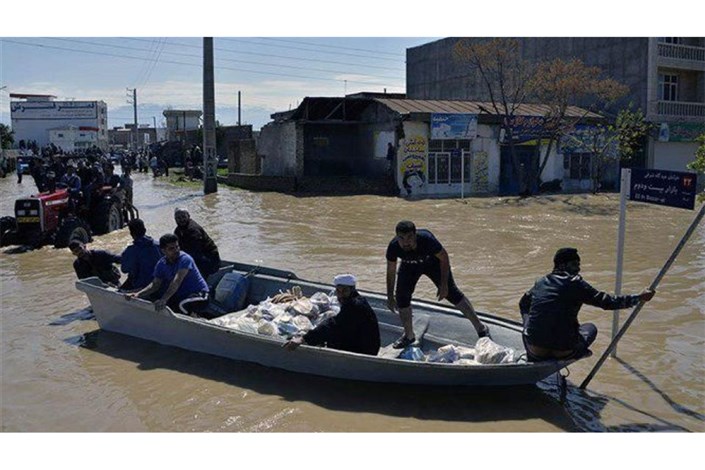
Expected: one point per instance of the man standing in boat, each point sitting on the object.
(186, 291)
(353, 329)
(421, 253)
(194, 240)
(550, 310)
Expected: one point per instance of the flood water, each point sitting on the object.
(60, 372)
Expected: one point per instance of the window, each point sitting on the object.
(577, 165)
(60, 135)
(671, 40)
(667, 87)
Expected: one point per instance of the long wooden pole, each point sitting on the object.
(637, 309)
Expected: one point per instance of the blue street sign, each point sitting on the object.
(665, 188)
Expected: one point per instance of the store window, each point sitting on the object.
(445, 161)
(667, 87)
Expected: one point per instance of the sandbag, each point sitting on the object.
(489, 352)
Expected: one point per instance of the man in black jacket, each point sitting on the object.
(353, 329)
(99, 263)
(550, 310)
(194, 240)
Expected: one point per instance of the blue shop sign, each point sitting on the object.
(446, 126)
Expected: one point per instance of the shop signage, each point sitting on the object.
(445, 126)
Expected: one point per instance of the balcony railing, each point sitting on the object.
(680, 109)
(678, 51)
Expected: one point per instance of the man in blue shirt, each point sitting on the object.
(550, 310)
(140, 258)
(422, 254)
(186, 291)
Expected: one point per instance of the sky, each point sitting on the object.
(272, 73)
(275, 53)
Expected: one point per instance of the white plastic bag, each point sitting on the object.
(302, 323)
(465, 353)
(267, 328)
(489, 352)
(447, 354)
(245, 324)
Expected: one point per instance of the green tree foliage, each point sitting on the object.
(7, 137)
(632, 129)
(698, 164)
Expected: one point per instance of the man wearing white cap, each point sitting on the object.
(354, 329)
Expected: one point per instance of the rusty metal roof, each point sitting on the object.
(405, 106)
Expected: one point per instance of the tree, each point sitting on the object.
(632, 129)
(698, 164)
(507, 79)
(563, 83)
(7, 137)
(620, 140)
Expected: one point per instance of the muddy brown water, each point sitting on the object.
(60, 372)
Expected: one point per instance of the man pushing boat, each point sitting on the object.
(550, 310)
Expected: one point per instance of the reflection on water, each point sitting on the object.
(497, 246)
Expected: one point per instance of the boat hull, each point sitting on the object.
(138, 318)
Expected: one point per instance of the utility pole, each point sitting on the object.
(238, 109)
(135, 135)
(210, 179)
(156, 136)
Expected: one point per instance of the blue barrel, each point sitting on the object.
(231, 291)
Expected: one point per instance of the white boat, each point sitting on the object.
(445, 326)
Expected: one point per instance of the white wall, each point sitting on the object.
(32, 120)
(277, 145)
(674, 156)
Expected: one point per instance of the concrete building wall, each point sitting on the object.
(277, 147)
(243, 157)
(434, 73)
(487, 142)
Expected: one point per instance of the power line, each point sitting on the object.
(220, 59)
(396, 54)
(261, 54)
(304, 49)
(191, 65)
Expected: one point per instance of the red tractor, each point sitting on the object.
(52, 217)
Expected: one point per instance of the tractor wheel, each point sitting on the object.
(72, 228)
(107, 217)
(8, 231)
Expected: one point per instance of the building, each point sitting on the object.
(441, 148)
(33, 116)
(124, 137)
(180, 121)
(665, 76)
(72, 138)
